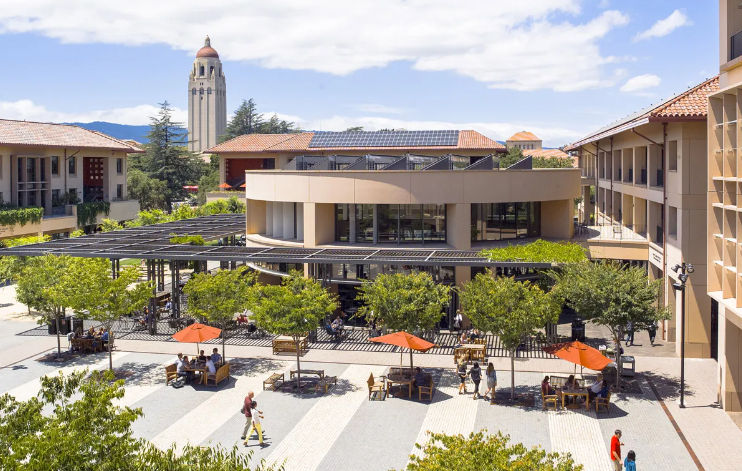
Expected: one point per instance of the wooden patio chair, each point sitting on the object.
(171, 373)
(426, 390)
(549, 399)
(375, 386)
(603, 402)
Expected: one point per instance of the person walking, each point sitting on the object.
(616, 450)
(491, 382)
(630, 462)
(476, 377)
(652, 331)
(630, 334)
(255, 424)
(247, 410)
(462, 376)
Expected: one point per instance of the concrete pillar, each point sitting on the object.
(277, 220)
(557, 219)
(319, 227)
(352, 219)
(288, 220)
(458, 226)
(269, 218)
(299, 221)
(256, 217)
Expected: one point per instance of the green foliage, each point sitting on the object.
(88, 212)
(11, 217)
(10, 266)
(87, 287)
(77, 233)
(156, 216)
(540, 251)
(187, 239)
(27, 240)
(485, 452)
(247, 120)
(354, 129)
(167, 159)
(150, 192)
(108, 225)
(219, 296)
(510, 309)
(410, 303)
(74, 425)
(65, 198)
(514, 155)
(294, 308)
(552, 162)
(611, 294)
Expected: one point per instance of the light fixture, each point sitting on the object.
(690, 268)
(676, 268)
(678, 286)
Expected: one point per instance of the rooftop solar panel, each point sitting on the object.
(385, 139)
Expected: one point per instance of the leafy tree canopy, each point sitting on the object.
(480, 451)
(247, 120)
(354, 129)
(150, 192)
(410, 303)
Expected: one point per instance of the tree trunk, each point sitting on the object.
(298, 365)
(224, 352)
(59, 342)
(512, 375)
(110, 349)
(618, 361)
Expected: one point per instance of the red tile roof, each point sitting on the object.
(524, 136)
(468, 140)
(29, 133)
(689, 105)
(693, 103)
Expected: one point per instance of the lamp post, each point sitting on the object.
(685, 270)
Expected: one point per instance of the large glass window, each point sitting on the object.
(342, 222)
(410, 223)
(365, 223)
(434, 222)
(388, 221)
(501, 221)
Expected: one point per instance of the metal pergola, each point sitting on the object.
(152, 243)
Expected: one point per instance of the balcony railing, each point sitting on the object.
(736, 46)
(58, 212)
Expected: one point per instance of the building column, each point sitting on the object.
(288, 220)
(557, 219)
(458, 226)
(299, 221)
(269, 218)
(277, 219)
(352, 219)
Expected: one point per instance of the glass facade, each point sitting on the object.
(502, 221)
(359, 272)
(395, 223)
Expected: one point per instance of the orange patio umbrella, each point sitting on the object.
(197, 333)
(243, 186)
(579, 354)
(405, 340)
(225, 185)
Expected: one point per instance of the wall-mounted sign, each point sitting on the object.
(655, 258)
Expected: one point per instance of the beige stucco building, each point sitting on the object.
(723, 203)
(207, 99)
(648, 173)
(40, 162)
(523, 140)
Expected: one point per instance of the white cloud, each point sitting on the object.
(378, 109)
(665, 27)
(641, 82)
(604, 4)
(505, 44)
(29, 111)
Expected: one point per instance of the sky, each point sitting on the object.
(558, 68)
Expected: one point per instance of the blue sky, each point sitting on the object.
(558, 67)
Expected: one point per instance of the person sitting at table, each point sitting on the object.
(464, 339)
(211, 367)
(202, 357)
(181, 370)
(91, 333)
(215, 357)
(473, 335)
(571, 386)
(546, 387)
(603, 393)
(241, 319)
(594, 389)
(104, 339)
(78, 333)
(419, 379)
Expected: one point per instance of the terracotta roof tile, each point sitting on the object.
(30, 133)
(468, 140)
(690, 104)
(524, 136)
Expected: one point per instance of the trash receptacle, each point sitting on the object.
(64, 326)
(578, 329)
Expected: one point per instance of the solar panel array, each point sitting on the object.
(385, 139)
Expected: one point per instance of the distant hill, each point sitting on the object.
(119, 131)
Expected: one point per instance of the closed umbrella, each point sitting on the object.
(197, 333)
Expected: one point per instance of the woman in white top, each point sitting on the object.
(256, 416)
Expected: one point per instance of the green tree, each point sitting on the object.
(246, 120)
(74, 425)
(108, 225)
(294, 308)
(219, 296)
(514, 155)
(480, 451)
(88, 288)
(166, 158)
(10, 266)
(411, 303)
(611, 294)
(552, 162)
(277, 126)
(150, 192)
(354, 129)
(510, 309)
(36, 287)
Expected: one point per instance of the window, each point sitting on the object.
(672, 156)
(72, 166)
(55, 198)
(1, 198)
(208, 91)
(73, 192)
(55, 165)
(193, 91)
(30, 169)
(201, 70)
(120, 191)
(364, 223)
(498, 221)
(342, 222)
(201, 91)
(211, 70)
(672, 228)
(119, 166)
